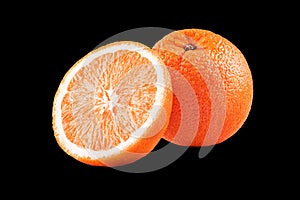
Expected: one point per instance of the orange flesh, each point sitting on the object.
(108, 105)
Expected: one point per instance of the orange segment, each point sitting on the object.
(113, 105)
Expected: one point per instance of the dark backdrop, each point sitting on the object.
(58, 36)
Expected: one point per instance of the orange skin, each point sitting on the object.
(180, 50)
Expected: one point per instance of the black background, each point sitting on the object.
(58, 36)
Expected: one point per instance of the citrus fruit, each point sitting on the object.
(113, 105)
(221, 79)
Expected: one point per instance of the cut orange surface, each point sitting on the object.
(113, 106)
(221, 79)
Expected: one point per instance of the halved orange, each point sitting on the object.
(221, 79)
(113, 105)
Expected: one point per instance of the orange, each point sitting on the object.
(222, 82)
(113, 105)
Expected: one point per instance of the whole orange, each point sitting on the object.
(221, 80)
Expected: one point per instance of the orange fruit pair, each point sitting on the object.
(116, 103)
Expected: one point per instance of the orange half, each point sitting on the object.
(113, 105)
